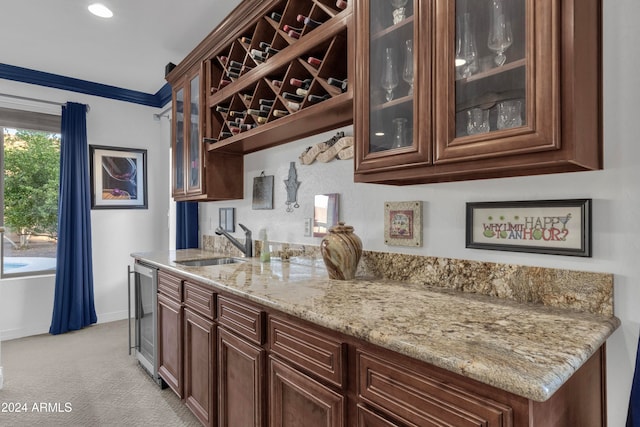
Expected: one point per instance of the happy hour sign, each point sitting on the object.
(548, 227)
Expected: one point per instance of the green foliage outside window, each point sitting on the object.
(31, 174)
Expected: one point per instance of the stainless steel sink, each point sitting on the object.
(209, 261)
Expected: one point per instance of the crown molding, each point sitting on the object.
(41, 78)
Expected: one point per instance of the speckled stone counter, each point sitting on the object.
(526, 349)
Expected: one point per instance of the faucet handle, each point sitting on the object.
(246, 230)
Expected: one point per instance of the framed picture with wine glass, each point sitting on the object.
(118, 177)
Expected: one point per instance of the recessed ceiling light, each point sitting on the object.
(100, 10)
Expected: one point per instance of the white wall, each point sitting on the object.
(26, 303)
(614, 190)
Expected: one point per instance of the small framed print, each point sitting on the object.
(118, 177)
(557, 227)
(403, 223)
(227, 220)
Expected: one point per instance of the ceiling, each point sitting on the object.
(129, 51)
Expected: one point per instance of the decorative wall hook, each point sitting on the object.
(292, 185)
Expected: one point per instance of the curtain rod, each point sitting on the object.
(42, 101)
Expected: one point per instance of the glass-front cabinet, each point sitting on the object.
(464, 89)
(187, 148)
(394, 69)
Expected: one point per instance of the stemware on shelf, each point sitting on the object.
(399, 12)
(466, 51)
(389, 73)
(509, 114)
(399, 132)
(407, 71)
(500, 35)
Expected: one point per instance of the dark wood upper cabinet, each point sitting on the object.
(451, 90)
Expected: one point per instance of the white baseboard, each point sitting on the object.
(11, 334)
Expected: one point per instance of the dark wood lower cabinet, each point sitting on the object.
(200, 367)
(234, 371)
(170, 342)
(298, 400)
(241, 382)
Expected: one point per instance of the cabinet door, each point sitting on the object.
(298, 400)
(170, 343)
(178, 144)
(392, 100)
(497, 86)
(200, 367)
(187, 146)
(193, 149)
(241, 382)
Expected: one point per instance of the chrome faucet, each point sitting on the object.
(247, 248)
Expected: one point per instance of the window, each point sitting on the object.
(30, 161)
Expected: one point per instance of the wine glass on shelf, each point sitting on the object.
(389, 74)
(407, 71)
(500, 35)
(399, 12)
(466, 51)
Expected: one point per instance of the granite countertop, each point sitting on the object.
(527, 349)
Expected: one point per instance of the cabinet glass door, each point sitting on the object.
(395, 65)
(178, 146)
(498, 74)
(194, 169)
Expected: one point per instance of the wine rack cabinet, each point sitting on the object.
(279, 79)
(268, 74)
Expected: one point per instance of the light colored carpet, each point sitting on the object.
(83, 378)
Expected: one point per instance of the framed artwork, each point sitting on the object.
(403, 223)
(227, 219)
(262, 192)
(118, 177)
(557, 227)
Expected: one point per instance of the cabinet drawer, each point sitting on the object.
(308, 349)
(170, 285)
(242, 319)
(200, 300)
(421, 400)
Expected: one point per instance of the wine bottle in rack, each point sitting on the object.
(246, 40)
(210, 140)
(267, 102)
(259, 113)
(288, 28)
(271, 51)
(280, 113)
(223, 59)
(258, 55)
(340, 84)
(295, 106)
(266, 108)
(292, 97)
(261, 120)
(308, 22)
(302, 92)
(318, 98)
(222, 109)
(304, 84)
(247, 97)
(294, 34)
(342, 4)
(276, 83)
(233, 73)
(315, 62)
(237, 113)
(276, 16)
(225, 134)
(264, 45)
